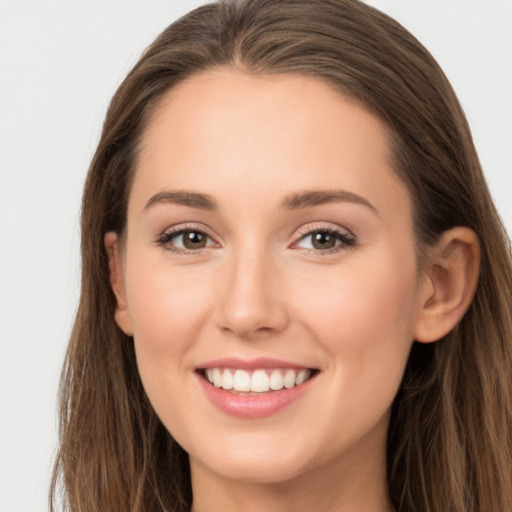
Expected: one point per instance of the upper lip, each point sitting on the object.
(251, 364)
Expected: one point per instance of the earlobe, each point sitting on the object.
(450, 283)
(122, 315)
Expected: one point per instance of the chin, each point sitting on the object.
(258, 471)
(251, 464)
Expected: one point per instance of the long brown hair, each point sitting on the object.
(450, 435)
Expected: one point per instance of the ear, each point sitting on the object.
(449, 285)
(122, 315)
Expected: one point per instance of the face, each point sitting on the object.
(269, 251)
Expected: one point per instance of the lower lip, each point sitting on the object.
(253, 406)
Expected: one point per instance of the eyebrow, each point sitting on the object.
(298, 201)
(311, 198)
(183, 198)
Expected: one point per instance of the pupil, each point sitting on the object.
(193, 240)
(323, 240)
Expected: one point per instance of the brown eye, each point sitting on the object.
(194, 239)
(323, 240)
(326, 240)
(185, 240)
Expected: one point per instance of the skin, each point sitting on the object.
(261, 288)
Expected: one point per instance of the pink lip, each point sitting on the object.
(251, 406)
(251, 364)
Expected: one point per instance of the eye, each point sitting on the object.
(325, 240)
(185, 240)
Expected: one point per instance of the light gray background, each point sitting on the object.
(60, 62)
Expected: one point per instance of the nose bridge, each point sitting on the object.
(252, 304)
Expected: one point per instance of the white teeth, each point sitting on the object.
(258, 381)
(302, 376)
(227, 379)
(289, 379)
(276, 380)
(242, 381)
(217, 378)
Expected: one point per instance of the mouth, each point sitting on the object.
(257, 381)
(254, 388)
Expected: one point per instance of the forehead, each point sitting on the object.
(227, 102)
(227, 132)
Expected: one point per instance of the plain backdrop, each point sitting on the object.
(60, 62)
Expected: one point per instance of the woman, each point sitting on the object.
(296, 289)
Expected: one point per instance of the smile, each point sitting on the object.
(258, 380)
(254, 389)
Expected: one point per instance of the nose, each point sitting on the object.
(252, 304)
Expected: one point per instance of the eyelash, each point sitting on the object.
(344, 240)
(165, 239)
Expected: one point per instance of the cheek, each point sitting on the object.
(363, 314)
(166, 304)
(168, 310)
(363, 317)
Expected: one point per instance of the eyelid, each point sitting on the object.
(324, 226)
(164, 238)
(347, 239)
